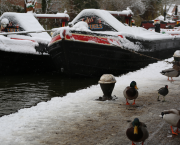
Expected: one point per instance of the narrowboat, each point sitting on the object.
(22, 47)
(96, 43)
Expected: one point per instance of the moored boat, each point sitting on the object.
(23, 49)
(96, 43)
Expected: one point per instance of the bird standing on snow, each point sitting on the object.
(172, 117)
(163, 91)
(137, 131)
(170, 73)
(131, 92)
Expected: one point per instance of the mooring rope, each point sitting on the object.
(134, 51)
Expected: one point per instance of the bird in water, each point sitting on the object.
(163, 91)
(172, 117)
(137, 131)
(170, 73)
(131, 92)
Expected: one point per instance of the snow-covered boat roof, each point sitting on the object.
(28, 22)
(120, 29)
(161, 18)
(127, 12)
(27, 45)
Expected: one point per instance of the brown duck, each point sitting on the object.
(130, 92)
(137, 131)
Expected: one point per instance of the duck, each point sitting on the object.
(130, 92)
(137, 131)
(172, 117)
(163, 91)
(170, 73)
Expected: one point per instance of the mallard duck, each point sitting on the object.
(163, 91)
(137, 131)
(170, 73)
(172, 117)
(131, 92)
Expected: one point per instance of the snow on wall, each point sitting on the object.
(134, 32)
(29, 23)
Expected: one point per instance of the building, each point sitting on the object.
(21, 3)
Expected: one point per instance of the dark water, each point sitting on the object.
(17, 92)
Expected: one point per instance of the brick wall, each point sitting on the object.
(21, 3)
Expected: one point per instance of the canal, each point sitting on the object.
(24, 91)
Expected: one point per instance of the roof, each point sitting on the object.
(127, 12)
(28, 22)
(53, 16)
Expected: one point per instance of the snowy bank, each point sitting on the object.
(32, 125)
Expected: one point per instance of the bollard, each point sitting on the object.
(107, 83)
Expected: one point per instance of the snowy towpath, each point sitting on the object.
(78, 119)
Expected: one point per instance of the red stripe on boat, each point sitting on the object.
(88, 38)
(54, 39)
(23, 39)
(120, 36)
(175, 34)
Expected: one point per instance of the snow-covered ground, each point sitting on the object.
(32, 126)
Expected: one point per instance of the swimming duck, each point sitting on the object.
(163, 91)
(170, 73)
(137, 131)
(131, 92)
(172, 117)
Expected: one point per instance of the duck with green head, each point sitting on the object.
(130, 92)
(137, 131)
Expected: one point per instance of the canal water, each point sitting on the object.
(24, 91)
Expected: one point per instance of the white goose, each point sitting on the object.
(172, 117)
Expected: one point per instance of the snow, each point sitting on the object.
(27, 125)
(171, 31)
(18, 46)
(29, 23)
(134, 32)
(161, 18)
(124, 12)
(129, 45)
(80, 26)
(177, 53)
(37, 39)
(58, 15)
(5, 21)
(170, 9)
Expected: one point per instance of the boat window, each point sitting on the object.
(96, 23)
(13, 25)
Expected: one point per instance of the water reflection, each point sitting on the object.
(17, 92)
